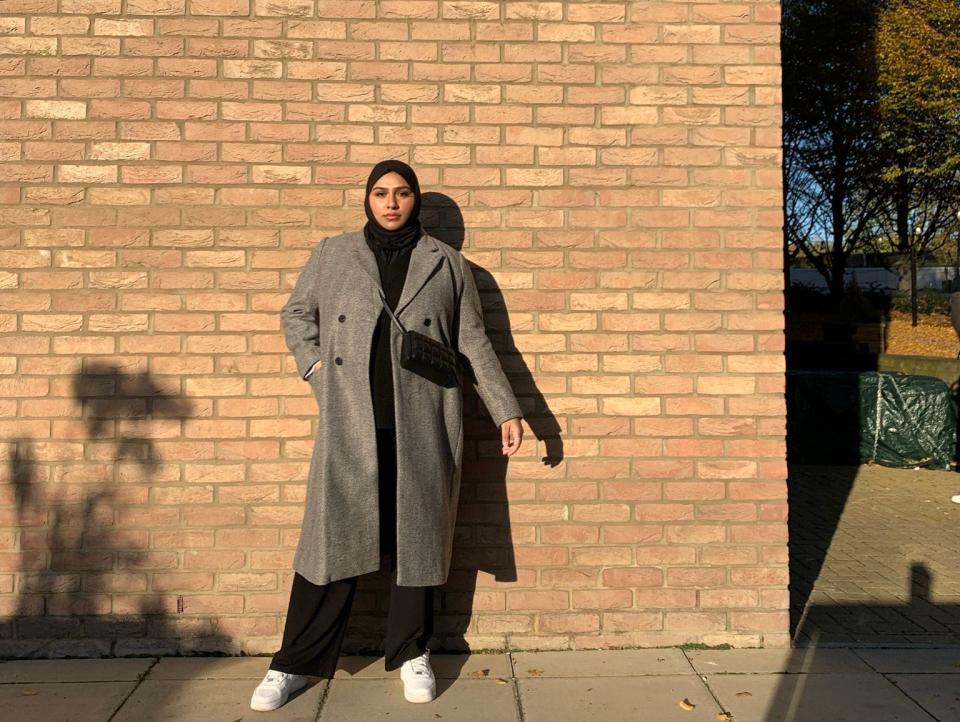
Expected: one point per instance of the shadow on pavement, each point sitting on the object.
(827, 683)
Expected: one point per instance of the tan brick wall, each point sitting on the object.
(166, 168)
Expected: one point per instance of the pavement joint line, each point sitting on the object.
(515, 683)
(323, 699)
(140, 677)
(865, 661)
(906, 694)
(517, 700)
(703, 680)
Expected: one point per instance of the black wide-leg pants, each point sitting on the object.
(317, 614)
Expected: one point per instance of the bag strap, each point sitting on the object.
(386, 305)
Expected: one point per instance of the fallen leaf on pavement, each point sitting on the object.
(687, 705)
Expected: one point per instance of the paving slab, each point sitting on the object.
(66, 702)
(813, 698)
(210, 668)
(893, 661)
(462, 700)
(938, 694)
(447, 666)
(600, 663)
(73, 670)
(617, 698)
(759, 661)
(211, 700)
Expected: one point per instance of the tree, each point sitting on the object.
(918, 62)
(830, 131)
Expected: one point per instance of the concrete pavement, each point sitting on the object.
(826, 684)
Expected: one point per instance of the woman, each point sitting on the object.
(384, 478)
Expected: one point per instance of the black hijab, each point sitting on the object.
(386, 243)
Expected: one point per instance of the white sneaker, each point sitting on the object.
(275, 689)
(419, 684)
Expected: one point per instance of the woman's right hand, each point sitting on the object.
(511, 432)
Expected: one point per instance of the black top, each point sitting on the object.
(392, 275)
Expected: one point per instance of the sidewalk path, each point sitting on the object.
(654, 685)
(873, 555)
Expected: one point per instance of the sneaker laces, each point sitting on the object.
(419, 665)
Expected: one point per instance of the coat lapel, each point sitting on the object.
(366, 260)
(424, 260)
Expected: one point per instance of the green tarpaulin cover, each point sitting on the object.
(894, 419)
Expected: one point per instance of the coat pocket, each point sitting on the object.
(316, 379)
(455, 434)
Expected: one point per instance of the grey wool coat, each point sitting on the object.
(330, 317)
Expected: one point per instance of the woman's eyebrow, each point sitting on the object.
(386, 188)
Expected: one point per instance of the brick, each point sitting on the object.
(565, 623)
(664, 512)
(632, 534)
(772, 621)
(630, 490)
(633, 577)
(665, 598)
(696, 621)
(672, 554)
(694, 490)
(569, 534)
(695, 533)
(601, 599)
(631, 621)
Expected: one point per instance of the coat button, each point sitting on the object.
(426, 322)
(338, 361)
(342, 318)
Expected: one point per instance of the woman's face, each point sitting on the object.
(391, 200)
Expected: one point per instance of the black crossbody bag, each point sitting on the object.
(423, 356)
